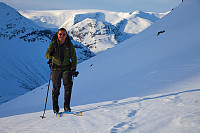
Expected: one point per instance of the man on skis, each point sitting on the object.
(62, 53)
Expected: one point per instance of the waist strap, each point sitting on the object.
(56, 67)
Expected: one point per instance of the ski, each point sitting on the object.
(57, 114)
(70, 113)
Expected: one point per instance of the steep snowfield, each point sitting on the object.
(146, 64)
(148, 83)
(23, 66)
(12, 18)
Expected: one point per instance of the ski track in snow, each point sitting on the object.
(179, 111)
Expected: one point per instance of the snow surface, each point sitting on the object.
(163, 113)
(148, 83)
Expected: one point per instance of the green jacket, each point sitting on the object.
(69, 54)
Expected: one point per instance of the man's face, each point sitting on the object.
(62, 36)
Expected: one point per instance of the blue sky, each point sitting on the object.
(110, 5)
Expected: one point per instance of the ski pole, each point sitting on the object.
(47, 91)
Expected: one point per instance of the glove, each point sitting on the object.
(75, 73)
(50, 62)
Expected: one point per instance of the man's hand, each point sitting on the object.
(75, 73)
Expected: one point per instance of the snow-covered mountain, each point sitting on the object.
(14, 25)
(23, 46)
(96, 29)
(148, 83)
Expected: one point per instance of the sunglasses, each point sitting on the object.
(62, 34)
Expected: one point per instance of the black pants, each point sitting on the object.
(67, 82)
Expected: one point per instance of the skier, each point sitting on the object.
(62, 53)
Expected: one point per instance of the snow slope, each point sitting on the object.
(148, 83)
(24, 67)
(146, 64)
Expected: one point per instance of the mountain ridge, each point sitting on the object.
(98, 30)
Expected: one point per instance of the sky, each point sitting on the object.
(110, 5)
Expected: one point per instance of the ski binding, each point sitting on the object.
(70, 113)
